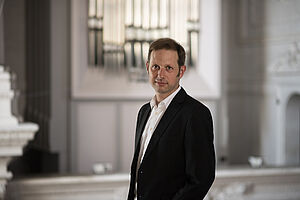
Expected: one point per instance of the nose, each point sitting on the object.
(161, 72)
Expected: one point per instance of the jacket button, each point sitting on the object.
(141, 172)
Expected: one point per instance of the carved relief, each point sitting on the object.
(289, 62)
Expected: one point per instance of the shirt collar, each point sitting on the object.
(166, 101)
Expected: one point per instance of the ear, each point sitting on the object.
(147, 67)
(182, 70)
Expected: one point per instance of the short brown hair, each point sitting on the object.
(168, 44)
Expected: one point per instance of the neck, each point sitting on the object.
(160, 97)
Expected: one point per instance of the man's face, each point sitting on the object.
(164, 72)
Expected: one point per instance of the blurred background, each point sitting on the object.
(77, 69)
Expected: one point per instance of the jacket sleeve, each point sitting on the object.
(199, 156)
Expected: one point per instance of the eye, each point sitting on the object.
(169, 68)
(155, 67)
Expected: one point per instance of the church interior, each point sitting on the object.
(73, 77)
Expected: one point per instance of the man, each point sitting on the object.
(174, 155)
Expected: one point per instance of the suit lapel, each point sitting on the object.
(139, 132)
(169, 114)
(142, 124)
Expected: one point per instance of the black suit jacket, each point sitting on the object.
(179, 163)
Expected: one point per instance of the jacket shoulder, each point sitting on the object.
(144, 107)
(193, 105)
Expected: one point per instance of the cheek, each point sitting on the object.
(151, 74)
(173, 79)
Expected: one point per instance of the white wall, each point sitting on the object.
(103, 132)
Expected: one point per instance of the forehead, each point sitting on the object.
(164, 55)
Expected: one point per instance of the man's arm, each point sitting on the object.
(199, 155)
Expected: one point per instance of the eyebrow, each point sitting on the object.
(167, 65)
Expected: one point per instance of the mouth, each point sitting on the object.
(160, 83)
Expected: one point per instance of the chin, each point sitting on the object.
(160, 91)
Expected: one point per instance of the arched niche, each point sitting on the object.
(293, 130)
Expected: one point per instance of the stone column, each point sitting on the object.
(13, 135)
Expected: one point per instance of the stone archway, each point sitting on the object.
(293, 130)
